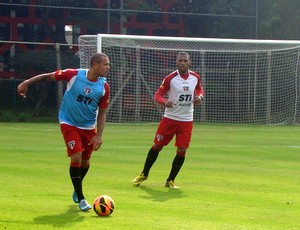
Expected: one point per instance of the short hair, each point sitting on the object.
(97, 58)
(184, 53)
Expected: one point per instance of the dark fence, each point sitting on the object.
(43, 99)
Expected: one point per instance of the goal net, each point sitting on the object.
(245, 81)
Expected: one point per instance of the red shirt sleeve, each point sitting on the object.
(199, 92)
(66, 74)
(104, 101)
(159, 96)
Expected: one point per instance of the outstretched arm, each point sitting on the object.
(22, 88)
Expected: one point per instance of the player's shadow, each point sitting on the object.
(63, 220)
(160, 195)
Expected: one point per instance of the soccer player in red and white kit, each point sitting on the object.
(83, 108)
(183, 90)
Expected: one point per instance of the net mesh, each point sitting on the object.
(244, 81)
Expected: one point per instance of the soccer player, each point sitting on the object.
(83, 109)
(179, 92)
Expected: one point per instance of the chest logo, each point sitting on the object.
(185, 88)
(87, 90)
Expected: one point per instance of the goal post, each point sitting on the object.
(245, 81)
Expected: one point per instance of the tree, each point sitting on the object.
(219, 18)
(278, 19)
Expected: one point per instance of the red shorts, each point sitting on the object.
(168, 128)
(78, 140)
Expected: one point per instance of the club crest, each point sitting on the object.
(159, 137)
(185, 88)
(87, 90)
(71, 144)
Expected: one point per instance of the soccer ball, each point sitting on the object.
(103, 205)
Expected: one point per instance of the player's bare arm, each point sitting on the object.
(97, 139)
(22, 88)
(198, 100)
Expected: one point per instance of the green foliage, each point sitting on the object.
(7, 115)
(34, 115)
(26, 63)
(234, 177)
(279, 19)
(10, 116)
(24, 116)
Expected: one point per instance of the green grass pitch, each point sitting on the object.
(234, 177)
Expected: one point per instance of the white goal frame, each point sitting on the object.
(254, 86)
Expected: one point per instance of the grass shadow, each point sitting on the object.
(160, 195)
(63, 220)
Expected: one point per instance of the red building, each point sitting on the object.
(24, 25)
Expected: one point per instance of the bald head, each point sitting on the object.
(97, 58)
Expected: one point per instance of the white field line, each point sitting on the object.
(205, 146)
(147, 147)
(248, 146)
